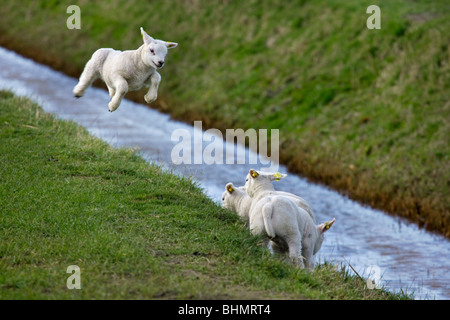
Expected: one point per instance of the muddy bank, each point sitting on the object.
(429, 213)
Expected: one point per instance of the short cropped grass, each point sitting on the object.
(135, 231)
(363, 111)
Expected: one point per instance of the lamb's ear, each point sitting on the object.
(171, 45)
(278, 176)
(230, 188)
(326, 225)
(146, 37)
(253, 173)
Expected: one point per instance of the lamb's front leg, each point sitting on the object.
(111, 91)
(153, 82)
(308, 256)
(295, 250)
(120, 88)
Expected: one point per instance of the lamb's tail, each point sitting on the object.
(267, 211)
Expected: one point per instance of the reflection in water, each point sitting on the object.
(408, 258)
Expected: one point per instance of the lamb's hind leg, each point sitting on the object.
(89, 75)
(91, 71)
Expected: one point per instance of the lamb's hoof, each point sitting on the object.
(77, 94)
(112, 108)
(149, 100)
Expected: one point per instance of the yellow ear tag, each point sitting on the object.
(277, 176)
(328, 224)
(230, 189)
(254, 174)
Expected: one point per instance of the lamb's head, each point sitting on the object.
(155, 51)
(231, 196)
(321, 229)
(257, 181)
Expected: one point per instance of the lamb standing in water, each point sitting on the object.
(125, 71)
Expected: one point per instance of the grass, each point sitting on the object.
(363, 111)
(135, 231)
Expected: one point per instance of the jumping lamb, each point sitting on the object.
(124, 71)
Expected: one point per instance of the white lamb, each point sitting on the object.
(240, 201)
(262, 185)
(124, 71)
(237, 200)
(289, 228)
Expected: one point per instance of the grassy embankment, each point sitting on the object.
(68, 198)
(363, 111)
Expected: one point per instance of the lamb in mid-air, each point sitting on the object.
(124, 71)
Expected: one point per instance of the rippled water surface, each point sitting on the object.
(407, 258)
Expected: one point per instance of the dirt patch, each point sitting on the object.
(422, 17)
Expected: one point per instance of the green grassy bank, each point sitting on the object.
(363, 111)
(136, 232)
